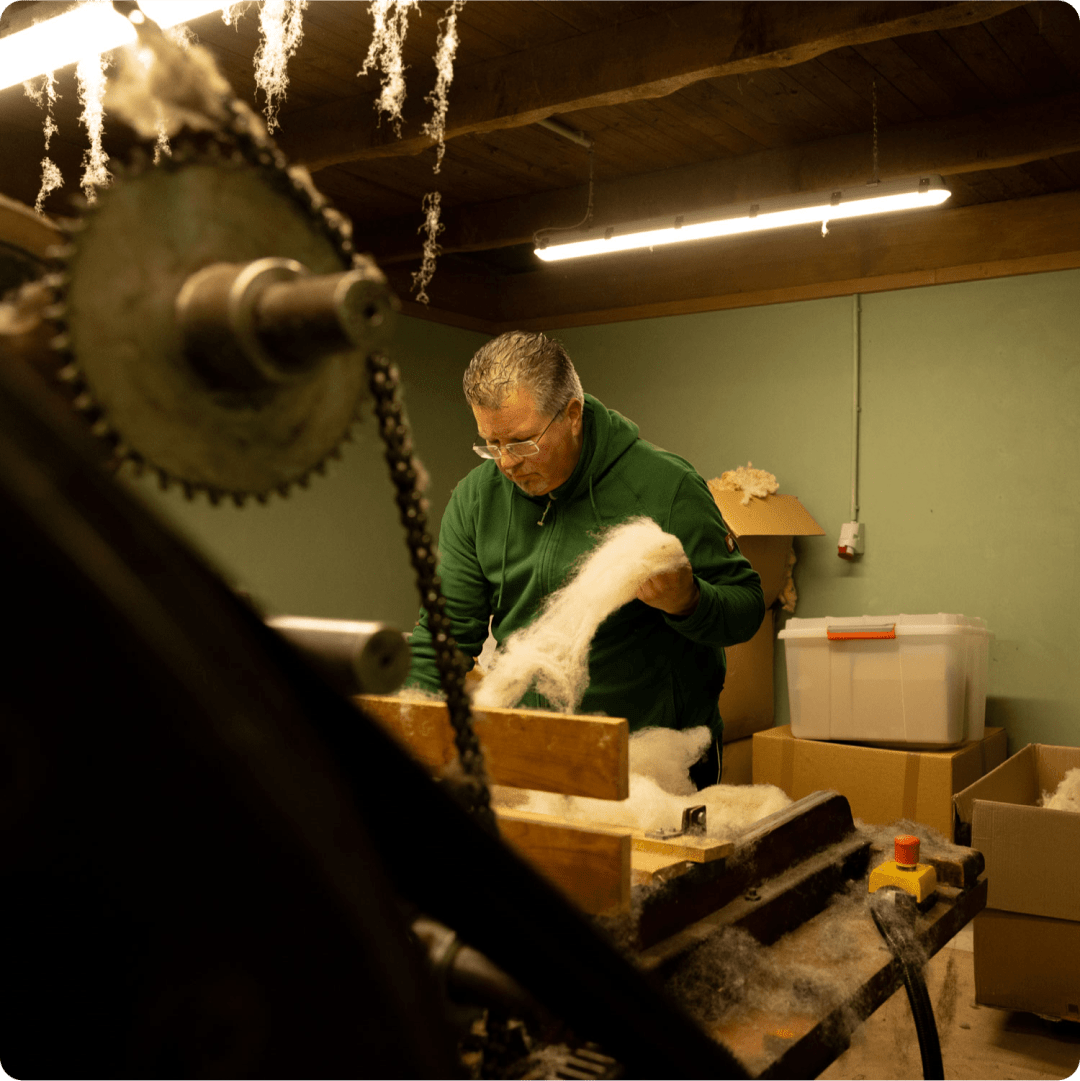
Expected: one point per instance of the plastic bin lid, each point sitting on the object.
(902, 624)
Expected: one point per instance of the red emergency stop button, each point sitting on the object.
(907, 851)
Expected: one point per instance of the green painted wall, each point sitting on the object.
(969, 470)
(337, 549)
(969, 455)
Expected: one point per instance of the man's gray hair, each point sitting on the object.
(527, 360)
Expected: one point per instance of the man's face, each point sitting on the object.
(518, 420)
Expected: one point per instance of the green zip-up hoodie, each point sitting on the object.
(498, 560)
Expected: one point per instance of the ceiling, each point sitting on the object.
(688, 106)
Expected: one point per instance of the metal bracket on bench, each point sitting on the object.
(693, 823)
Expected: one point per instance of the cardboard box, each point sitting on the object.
(1028, 963)
(1032, 853)
(746, 702)
(764, 530)
(737, 765)
(881, 785)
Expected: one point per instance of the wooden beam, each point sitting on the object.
(525, 748)
(591, 865)
(994, 139)
(990, 240)
(648, 57)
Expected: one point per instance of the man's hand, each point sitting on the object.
(674, 592)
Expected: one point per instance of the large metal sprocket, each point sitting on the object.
(221, 198)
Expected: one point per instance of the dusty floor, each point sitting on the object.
(976, 1041)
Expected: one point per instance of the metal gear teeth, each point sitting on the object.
(238, 143)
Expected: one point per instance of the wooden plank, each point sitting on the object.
(591, 866)
(647, 57)
(523, 748)
(989, 140)
(686, 847)
(652, 868)
(1015, 32)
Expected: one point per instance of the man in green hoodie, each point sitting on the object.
(560, 468)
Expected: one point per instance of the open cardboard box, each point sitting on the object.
(881, 785)
(1027, 940)
(764, 529)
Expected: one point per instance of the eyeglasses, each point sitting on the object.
(525, 449)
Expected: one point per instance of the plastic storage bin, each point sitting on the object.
(913, 680)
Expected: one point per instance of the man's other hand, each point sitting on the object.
(674, 592)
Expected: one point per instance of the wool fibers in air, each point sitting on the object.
(552, 653)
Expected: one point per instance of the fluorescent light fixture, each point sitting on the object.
(817, 208)
(86, 30)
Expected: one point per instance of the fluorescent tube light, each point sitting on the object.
(85, 30)
(817, 208)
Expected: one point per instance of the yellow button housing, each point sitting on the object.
(920, 881)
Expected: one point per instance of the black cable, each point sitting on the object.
(899, 936)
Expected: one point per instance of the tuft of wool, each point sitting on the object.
(745, 479)
(660, 789)
(1066, 797)
(90, 76)
(552, 653)
(166, 82)
(282, 30)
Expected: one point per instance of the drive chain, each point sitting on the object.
(405, 472)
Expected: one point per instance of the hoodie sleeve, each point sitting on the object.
(467, 593)
(732, 606)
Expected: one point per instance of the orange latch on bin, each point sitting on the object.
(884, 631)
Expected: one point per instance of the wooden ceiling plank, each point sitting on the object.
(990, 63)
(858, 68)
(1048, 175)
(1069, 164)
(937, 58)
(763, 100)
(650, 137)
(648, 57)
(800, 106)
(580, 17)
(504, 162)
(992, 139)
(1022, 236)
(903, 85)
(656, 124)
(1015, 33)
(962, 192)
(855, 110)
(726, 100)
(1059, 25)
(516, 28)
(686, 108)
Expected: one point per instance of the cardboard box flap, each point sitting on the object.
(1014, 782)
(774, 516)
(1031, 858)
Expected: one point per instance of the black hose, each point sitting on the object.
(896, 928)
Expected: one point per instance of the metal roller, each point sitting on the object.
(356, 657)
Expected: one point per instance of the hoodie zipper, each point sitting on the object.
(551, 499)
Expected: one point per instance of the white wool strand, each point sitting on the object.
(552, 653)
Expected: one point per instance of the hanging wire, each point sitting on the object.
(584, 221)
(875, 179)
